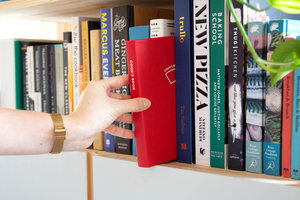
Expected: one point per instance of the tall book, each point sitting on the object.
(277, 31)
(77, 54)
(86, 27)
(59, 78)
(96, 74)
(202, 76)
(137, 33)
(107, 63)
(37, 77)
(255, 99)
(45, 79)
(184, 81)
(236, 94)
(67, 42)
(155, 144)
(52, 80)
(217, 83)
(161, 28)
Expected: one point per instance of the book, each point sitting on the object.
(217, 83)
(161, 28)
(236, 94)
(59, 78)
(201, 69)
(45, 79)
(52, 80)
(70, 77)
(96, 74)
(107, 63)
(278, 30)
(77, 53)
(137, 33)
(86, 27)
(255, 98)
(155, 144)
(184, 81)
(67, 44)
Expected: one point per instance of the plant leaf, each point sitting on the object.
(286, 52)
(287, 6)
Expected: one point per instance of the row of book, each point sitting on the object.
(228, 115)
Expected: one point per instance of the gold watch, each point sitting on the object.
(59, 133)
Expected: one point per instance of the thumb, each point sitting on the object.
(135, 105)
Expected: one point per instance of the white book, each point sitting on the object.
(77, 54)
(34, 96)
(59, 73)
(161, 28)
(201, 81)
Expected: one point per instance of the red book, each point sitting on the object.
(151, 66)
(287, 119)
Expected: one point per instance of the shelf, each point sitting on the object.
(63, 10)
(210, 170)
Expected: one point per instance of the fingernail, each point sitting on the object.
(147, 103)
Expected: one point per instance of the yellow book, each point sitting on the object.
(70, 77)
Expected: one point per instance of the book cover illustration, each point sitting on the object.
(155, 144)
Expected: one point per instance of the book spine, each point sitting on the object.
(25, 77)
(67, 38)
(217, 83)
(52, 80)
(255, 103)
(287, 118)
(201, 81)
(236, 117)
(161, 28)
(76, 51)
(273, 120)
(37, 77)
(70, 77)
(19, 75)
(122, 20)
(59, 72)
(85, 53)
(31, 88)
(295, 159)
(107, 63)
(136, 33)
(45, 79)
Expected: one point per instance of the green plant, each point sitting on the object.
(286, 56)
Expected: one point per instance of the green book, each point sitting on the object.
(217, 83)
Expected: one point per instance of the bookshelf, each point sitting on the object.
(103, 164)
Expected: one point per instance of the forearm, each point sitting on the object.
(28, 132)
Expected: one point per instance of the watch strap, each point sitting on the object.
(59, 133)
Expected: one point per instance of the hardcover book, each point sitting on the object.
(67, 43)
(59, 77)
(45, 79)
(236, 103)
(217, 83)
(155, 144)
(201, 58)
(255, 100)
(52, 80)
(184, 81)
(277, 31)
(161, 28)
(137, 33)
(107, 63)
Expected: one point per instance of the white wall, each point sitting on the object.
(117, 179)
(43, 177)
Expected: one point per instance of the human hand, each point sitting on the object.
(98, 107)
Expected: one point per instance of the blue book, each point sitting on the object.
(107, 64)
(184, 81)
(278, 30)
(136, 33)
(295, 153)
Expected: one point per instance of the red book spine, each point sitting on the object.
(151, 64)
(287, 124)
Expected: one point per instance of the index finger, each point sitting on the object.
(116, 82)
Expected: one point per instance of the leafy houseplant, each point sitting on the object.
(286, 56)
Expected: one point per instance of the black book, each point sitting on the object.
(45, 79)
(236, 103)
(28, 105)
(122, 19)
(52, 79)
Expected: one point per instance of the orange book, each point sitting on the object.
(70, 77)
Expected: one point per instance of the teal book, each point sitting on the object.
(255, 98)
(136, 33)
(278, 30)
(217, 83)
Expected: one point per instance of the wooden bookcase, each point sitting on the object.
(61, 11)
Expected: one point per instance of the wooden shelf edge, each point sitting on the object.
(224, 172)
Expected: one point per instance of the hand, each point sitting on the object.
(98, 107)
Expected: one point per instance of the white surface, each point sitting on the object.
(43, 177)
(117, 179)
